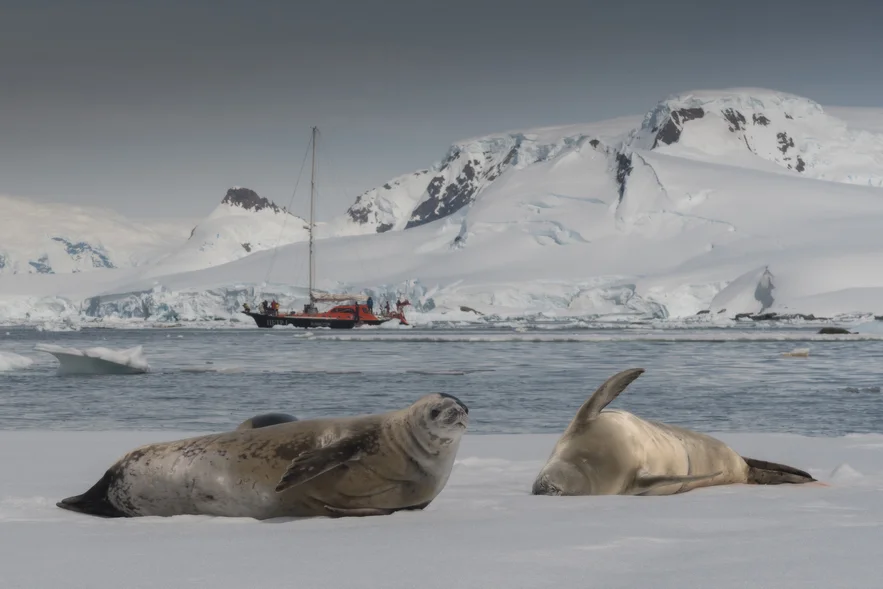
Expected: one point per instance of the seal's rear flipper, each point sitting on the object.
(761, 472)
(94, 501)
(603, 396)
(644, 484)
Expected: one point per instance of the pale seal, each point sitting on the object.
(617, 453)
(348, 466)
(266, 420)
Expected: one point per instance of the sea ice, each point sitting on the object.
(10, 361)
(484, 529)
(97, 360)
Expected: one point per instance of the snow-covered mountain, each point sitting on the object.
(750, 128)
(723, 202)
(242, 224)
(38, 238)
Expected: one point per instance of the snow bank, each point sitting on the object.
(10, 361)
(97, 360)
(484, 529)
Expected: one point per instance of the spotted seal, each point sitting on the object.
(346, 466)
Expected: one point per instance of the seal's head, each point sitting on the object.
(560, 478)
(444, 416)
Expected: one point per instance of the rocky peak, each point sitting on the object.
(249, 200)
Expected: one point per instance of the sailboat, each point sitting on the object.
(353, 310)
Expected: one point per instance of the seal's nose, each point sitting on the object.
(459, 402)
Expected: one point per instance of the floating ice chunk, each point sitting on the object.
(10, 362)
(97, 360)
(797, 353)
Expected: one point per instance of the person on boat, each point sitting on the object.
(370, 305)
(275, 307)
(386, 307)
(246, 307)
(264, 307)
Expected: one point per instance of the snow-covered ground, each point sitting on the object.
(727, 201)
(484, 530)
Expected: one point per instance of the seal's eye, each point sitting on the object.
(434, 413)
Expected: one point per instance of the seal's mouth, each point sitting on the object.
(543, 487)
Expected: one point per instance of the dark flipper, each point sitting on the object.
(265, 420)
(94, 501)
(309, 465)
(761, 472)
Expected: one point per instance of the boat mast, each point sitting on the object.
(312, 212)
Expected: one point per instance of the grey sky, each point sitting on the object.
(155, 108)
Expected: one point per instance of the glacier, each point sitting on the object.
(715, 206)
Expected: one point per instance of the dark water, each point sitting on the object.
(510, 386)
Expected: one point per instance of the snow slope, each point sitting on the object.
(58, 238)
(484, 529)
(731, 201)
(242, 224)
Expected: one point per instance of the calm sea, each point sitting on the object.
(210, 380)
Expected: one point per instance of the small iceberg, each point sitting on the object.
(97, 360)
(797, 353)
(10, 362)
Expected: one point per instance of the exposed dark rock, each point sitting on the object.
(249, 200)
(760, 120)
(834, 331)
(387, 186)
(787, 116)
(495, 172)
(777, 317)
(457, 195)
(42, 265)
(247, 247)
(623, 169)
(470, 310)
(384, 227)
(735, 118)
(703, 312)
(192, 231)
(443, 200)
(784, 141)
(594, 143)
(801, 165)
(359, 212)
(80, 249)
(671, 131)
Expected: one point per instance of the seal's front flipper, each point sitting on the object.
(94, 501)
(761, 472)
(357, 512)
(311, 464)
(644, 484)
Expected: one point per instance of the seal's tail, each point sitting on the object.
(761, 472)
(94, 501)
